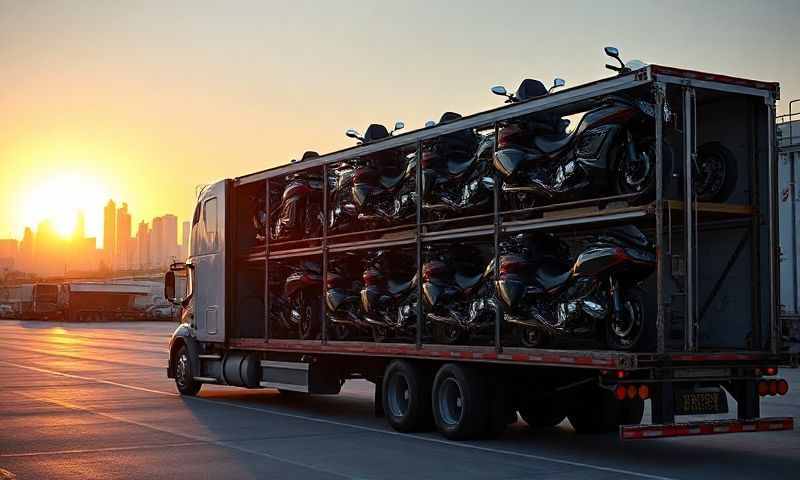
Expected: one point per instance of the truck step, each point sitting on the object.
(209, 356)
(206, 379)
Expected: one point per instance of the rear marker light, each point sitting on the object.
(644, 392)
(632, 391)
(771, 370)
(621, 373)
(620, 392)
(763, 388)
(783, 387)
(773, 388)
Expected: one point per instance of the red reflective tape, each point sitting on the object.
(519, 357)
(584, 360)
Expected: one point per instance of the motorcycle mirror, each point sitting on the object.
(430, 123)
(613, 52)
(399, 126)
(500, 90)
(557, 82)
(353, 133)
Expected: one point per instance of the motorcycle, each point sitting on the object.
(382, 191)
(303, 287)
(299, 214)
(612, 150)
(389, 305)
(458, 293)
(456, 171)
(343, 298)
(596, 296)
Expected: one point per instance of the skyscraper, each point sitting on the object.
(123, 238)
(185, 230)
(170, 238)
(80, 226)
(109, 232)
(26, 251)
(157, 258)
(143, 245)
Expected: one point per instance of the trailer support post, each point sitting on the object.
(775, 331)
(266, 261)
(498, 310)
(324, 309)
(690, 153)
(418, 238)
(663, 408)
(659, 91)
(747, 400)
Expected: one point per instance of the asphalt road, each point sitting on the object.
(93, 401)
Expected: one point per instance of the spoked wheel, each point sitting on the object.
(715, 173)
(184, 378)
(638, 176)
(624, 331)
(306, 313)
(447, 334)
(530, 337)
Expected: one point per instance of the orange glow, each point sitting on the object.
(59, 198)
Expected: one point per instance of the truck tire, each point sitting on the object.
(407, 397)
(599, 412)
(543, 413)
(461, 405)
(184, 377)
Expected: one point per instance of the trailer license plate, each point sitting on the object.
(703, 400)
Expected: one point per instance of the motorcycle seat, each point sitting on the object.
(552, 143)
(458, 167)
(398, 287)
(467, 281)
(391, 182)
(552, 274)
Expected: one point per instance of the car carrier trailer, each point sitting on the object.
(712, 299)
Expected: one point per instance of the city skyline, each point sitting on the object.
(45, 249)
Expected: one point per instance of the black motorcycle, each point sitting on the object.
(299, 214)
(303, 288)
(595, 298)
(456, 171)
(343, 298)
(382, 184)
(611, 151)
(389, 295)
(458, 293)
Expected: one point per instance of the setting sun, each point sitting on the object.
(60, 198)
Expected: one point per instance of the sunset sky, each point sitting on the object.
(143, 101)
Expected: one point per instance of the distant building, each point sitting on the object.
(157, 258)
(170, 238)
(186, 228)
(80, 227)
(25, 255)
(143, 246)
(109, 232)
(8, 254)
(122, 249)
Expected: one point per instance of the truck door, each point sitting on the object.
(208, 258)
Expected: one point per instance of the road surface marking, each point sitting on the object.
(194, 438)
(359, 427)
(100, 450)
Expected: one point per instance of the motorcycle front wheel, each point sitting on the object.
(624, 331)
(639, 177)
(715, 173)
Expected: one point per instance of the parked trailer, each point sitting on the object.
(101, 301)
(712, 301)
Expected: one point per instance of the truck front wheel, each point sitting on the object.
(184, 378)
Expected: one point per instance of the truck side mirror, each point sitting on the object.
(169, 287)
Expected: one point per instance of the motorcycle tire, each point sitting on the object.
(631, 333)
(447, 334)
(310, 316)
(529, 337)
(647, 193)
(713, 155)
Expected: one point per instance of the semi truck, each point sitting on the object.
(710, 304)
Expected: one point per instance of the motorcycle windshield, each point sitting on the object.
(630, 235)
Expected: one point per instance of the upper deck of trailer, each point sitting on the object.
(572, 100)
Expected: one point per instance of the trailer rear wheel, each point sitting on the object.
(543, 413)
(184, 377)
(460, 402)
(407, 397)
